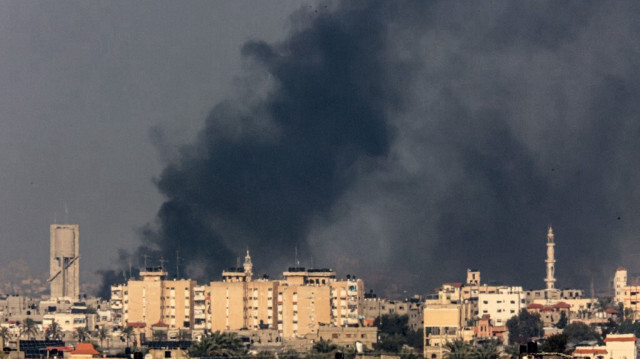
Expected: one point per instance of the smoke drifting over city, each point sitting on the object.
(406, 142)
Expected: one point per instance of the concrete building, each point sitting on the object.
(444, 322)
(617, 346)
(374, 307)
(64, 263)
(619, 284)
(153, 300)
(295, 306)
(501, 306)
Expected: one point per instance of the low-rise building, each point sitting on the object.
(617, 346)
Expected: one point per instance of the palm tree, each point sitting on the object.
(324, 346)
(127, 332)
(458, 349)
(82, 334)
(29, 328)
(103, 333)
(218, 345)
(488, 351)
(53, 332)
(4, 335)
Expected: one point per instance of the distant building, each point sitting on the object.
(501, 306)
(617, 346)
(154, 300)
(64, 267)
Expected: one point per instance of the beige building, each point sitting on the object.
(617, 346)
(153, 300)
(64, 263)
(295, 306)
(443, 323)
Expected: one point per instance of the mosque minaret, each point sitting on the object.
(550, 261)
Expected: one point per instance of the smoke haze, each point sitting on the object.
(405, 142)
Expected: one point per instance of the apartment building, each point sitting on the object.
(295, 305)
(154, 301)
(502, 305)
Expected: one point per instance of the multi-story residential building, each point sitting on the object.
(444, 322)
(201, 308)
(296, 305)
(619, 284)
(155, 301)
(501, 306)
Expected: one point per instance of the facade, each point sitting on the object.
(617, 346)
(153, 300)
(619, 284)
(349, 336)
(374, 307)
(550, 314)
(501, 306)
(443, 323)
(64, 264)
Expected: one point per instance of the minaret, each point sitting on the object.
(551, 261)
(248, 267)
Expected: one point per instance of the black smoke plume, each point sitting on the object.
(409, 141)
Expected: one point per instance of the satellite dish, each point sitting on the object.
(148, 356)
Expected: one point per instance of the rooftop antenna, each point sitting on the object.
(177, 264)
(145, 256)
(297, 263)
(130, 267)
(162, 261)
(66, 213)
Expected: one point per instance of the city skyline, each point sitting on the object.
(403, 142)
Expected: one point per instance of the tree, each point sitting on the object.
(53, 332)
(562, 322)
(394, 333)
(127, 333)
(628, 326)
(29, 328)
(324, 346)
(4, 336)
(487, 351)
(82, 334)
(458, 349)
(218, 345)
(103, 333)
(290, 354)
(555, 344)
(578, 332)
(524, 326)
(407, 353)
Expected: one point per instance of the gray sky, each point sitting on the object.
(401, 141)
(83, 83)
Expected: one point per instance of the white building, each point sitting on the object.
(619, 284)
(617, 346)
(503, 305)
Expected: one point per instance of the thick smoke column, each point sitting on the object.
(269, 162)
(408, 141)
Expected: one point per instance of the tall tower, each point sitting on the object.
(551, 261)
(248, 267)
(64, 266)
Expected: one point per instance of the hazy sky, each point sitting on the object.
(83, 85)
(401, 141)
